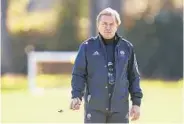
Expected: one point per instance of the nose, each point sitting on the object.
(108, 27)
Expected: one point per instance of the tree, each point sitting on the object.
(6, 54)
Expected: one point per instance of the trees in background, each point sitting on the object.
(157, 41)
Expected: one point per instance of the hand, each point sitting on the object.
(75, 104)
(135, 112)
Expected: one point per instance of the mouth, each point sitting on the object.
(107, 32)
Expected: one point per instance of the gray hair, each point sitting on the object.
(111, 12)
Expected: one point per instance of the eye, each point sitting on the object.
(104, 24)
(111, 24)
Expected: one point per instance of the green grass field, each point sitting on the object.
(162, 102)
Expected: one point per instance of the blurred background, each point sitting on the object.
(155, 27)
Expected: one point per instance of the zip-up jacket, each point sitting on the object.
(90, 75)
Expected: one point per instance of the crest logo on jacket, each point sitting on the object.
(122, 53)
(88, 116)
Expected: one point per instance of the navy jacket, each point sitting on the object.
(90, 79)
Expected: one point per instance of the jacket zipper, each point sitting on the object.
(116, 62)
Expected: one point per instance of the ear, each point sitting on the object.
(117, 26)
(97, 26)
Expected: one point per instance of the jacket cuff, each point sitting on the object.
(136, 101)
(77, 95)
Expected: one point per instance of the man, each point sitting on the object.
(105, 72)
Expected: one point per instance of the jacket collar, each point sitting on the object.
(117, 38)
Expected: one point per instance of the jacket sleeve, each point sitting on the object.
(79, 73)
(134, 80)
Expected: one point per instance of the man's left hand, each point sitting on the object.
(135, 112)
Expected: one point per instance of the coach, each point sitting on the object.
(105, 72)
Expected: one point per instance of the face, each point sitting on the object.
(107, 26)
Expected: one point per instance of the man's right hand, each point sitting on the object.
(75, 104)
